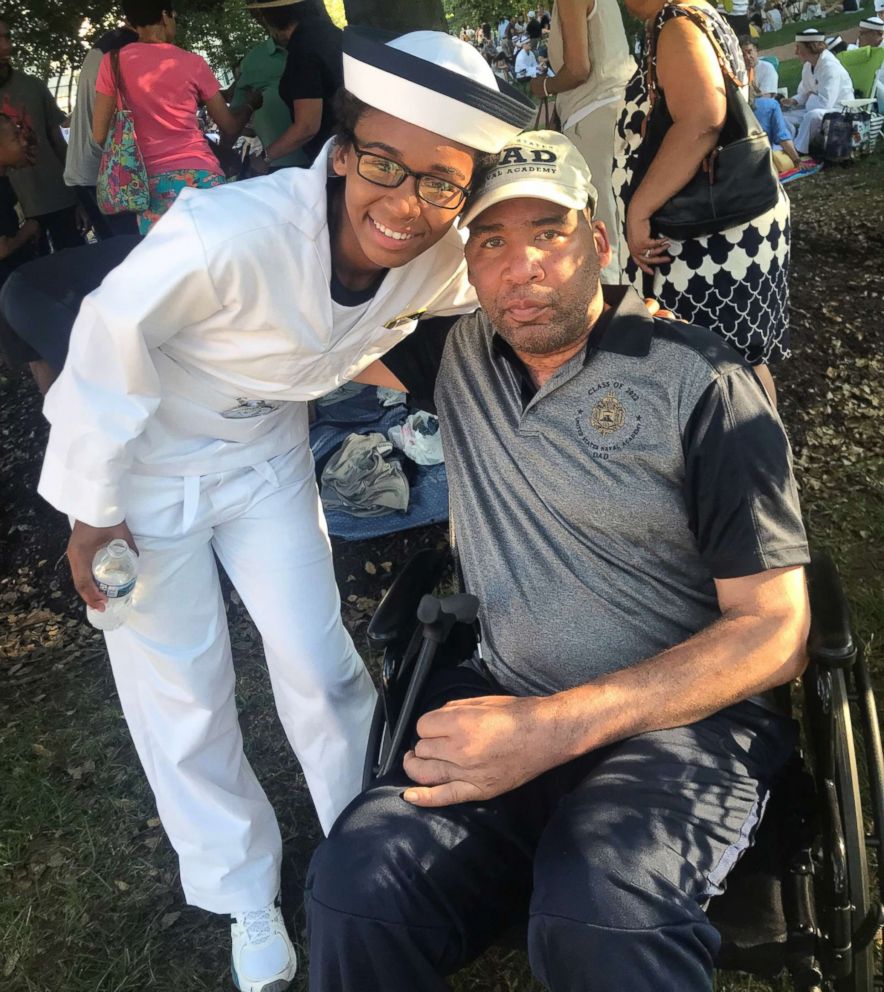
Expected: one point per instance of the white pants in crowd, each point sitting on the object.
(806, 122)
(594, 137)
(174, 673)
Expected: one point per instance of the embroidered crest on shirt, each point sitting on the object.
(246, 408)
(611, 419)
(608, 415)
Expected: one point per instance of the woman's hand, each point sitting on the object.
(83, 544)
(655, 310)
(646, 251)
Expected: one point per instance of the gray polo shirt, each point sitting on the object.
(594, 513)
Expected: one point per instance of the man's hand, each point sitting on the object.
(84, 542)
(474, 749)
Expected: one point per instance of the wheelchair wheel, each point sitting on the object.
(861, 977)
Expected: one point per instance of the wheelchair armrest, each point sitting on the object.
(396, 614)
(831, 639)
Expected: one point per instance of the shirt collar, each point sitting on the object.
(273, 48)
(630, 329)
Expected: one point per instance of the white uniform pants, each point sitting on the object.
(174, 673)
(806, 122)
(594, 137)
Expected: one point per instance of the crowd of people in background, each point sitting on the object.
(284, 88)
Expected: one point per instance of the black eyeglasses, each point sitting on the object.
(385, 172)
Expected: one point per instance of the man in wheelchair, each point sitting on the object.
(628, 519)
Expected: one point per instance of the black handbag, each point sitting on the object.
(736, 182)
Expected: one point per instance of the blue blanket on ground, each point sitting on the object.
(362, 414)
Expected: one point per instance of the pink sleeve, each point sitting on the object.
(206, 83)
(105, 81)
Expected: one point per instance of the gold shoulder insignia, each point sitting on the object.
(405, 318)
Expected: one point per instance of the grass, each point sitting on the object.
(790, 74)
(834, 24)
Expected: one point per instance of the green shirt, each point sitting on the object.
(40, 188)
(260, 70)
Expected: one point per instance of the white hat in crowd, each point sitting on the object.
(810, 35)
(436, 82)
(879, 6)
(543, 165)
(872, 24)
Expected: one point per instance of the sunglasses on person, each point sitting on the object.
(386, 172)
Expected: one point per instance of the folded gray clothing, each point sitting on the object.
(357, 479)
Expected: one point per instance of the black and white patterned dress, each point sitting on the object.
(734, 282)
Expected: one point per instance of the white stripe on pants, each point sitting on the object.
(594, 138)
(174, 673)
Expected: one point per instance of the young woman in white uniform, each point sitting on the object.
(180, 424)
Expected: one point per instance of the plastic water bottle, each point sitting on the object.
(114, 569)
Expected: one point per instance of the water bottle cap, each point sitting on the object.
(117, 548)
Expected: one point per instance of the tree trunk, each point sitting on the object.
(397, 16)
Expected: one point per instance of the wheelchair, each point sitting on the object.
(806, 898)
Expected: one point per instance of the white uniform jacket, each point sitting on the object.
(825, 85)
(224, 308)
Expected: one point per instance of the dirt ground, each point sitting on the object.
(89, 896)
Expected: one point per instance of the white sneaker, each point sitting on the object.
(263, 957)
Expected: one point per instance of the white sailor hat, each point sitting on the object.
(810, 34)
(834, 41)
(436, 82)
(872, 24)
(879, 6)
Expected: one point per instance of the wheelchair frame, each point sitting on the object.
(826, 905)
